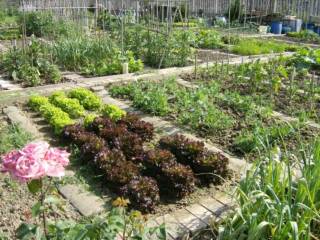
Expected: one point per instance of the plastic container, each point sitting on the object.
(294, 24)
(276, 27)
(317, 29)
(286, 29)
(310, 26)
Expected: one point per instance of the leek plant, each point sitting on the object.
(278, 199)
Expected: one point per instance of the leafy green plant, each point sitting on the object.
(305, 35)
(212, 167)
(262, 137)
(88, 99)
(30, 66)
(88, 119)
(208, 39)
(256, 47)
(113, 112)
(57, 118)
(159, 50)
(44, 24)
(69, 105)
(30, 75)
(35, 102)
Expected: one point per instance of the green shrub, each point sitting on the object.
(88, 99)
(113, 112)
(37, 23)
(158, 49)
(29, 75)
(30, 65)
(50, 72)
(43, 23)
(208, 39)
(69, 105)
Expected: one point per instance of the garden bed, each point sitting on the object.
(205, 56)
(275, 85)
(131, 144)
(229, 120)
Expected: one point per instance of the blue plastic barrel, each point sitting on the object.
(310, 26)
(276, 27)
(317, 29)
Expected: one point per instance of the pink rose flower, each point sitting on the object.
(9, 161)
(54, 162)
(36, 149)
(35, 161)
(27, 168)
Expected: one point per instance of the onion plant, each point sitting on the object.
(278, 199)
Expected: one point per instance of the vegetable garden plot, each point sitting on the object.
(118, 145)
(305, 36)
(279, 84)
(228, 119)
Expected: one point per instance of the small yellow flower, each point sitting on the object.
(120, 202)
(136, 215)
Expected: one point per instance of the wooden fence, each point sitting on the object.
(299, 8)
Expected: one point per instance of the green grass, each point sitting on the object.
(256, 47)
(13, 137)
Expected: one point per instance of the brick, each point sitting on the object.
(187, 219)
(85, 202)
(173, 227)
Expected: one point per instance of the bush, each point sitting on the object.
(69, 105)
(143, 193)
(211, 166)
(30, 65)
(29, 75)
(113, 112)
(43, 24)
(157, 49)
(208, 39)
(88, 99)
(50, 72)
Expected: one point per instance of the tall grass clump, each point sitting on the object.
(278, 199)
(13, 137)
(93, 55)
